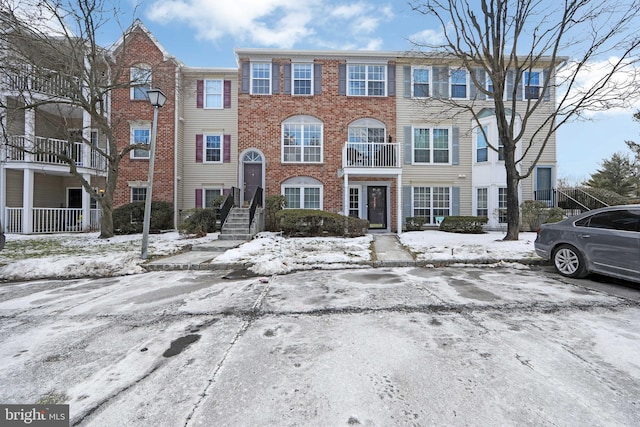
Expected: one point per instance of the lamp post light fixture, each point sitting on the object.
(157, 99)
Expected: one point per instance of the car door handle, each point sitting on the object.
(585, 236)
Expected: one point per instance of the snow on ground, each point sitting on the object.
(271, 253)
(441, 246)
(82, 255)
(27, 257)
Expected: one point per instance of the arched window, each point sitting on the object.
(367, 130)
(302, 193)
(302, 138)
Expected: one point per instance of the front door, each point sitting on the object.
(74, 197)
(377, 207)
(252, 180)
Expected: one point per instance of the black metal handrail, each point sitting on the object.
(256, 202)
(232, 199)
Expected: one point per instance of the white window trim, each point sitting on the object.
(251, 78)
(431, 150)
(430, 82)
(476, 206)
(293, 79)
(303, 187)
(304, 121)
(133, 128)
(540, 71)
(133, 86)
(366, 79)
(432, 218)
(204, 95)
(204, 148)
(451, 84)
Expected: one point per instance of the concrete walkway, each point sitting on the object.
(388, 252)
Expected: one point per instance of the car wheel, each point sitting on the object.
(569, 262)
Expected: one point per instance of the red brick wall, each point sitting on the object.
(259, 126)
(140, 49)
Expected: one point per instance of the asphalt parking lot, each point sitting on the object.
(389, 346)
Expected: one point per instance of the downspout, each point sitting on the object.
(176, 125)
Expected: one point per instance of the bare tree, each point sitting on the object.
(588, 50)
(57, 40)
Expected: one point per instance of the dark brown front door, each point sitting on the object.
(377, 207)
(75, 197)
(252, 179)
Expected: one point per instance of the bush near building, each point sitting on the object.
(129, 218)
(311, 223)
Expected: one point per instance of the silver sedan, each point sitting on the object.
(604, 241)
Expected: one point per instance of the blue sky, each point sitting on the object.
(205, 32)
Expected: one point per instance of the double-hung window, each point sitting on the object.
(138, 194)
(261, 78)
(140, 135)
(431, 145)
(502, 204)
(367, 80)
(213, 93)
(482, 202)
(431, 202)
(482, 149)
(302, 79)
(302, 140)
(532, 84)
(459, 81)
(302, 193)
(212, 149)
(140, 78)
(421, 82)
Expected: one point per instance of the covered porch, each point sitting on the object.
(369, 191)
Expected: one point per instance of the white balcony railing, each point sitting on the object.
(370, 155)
(53, 151)
(24, 78)
(51, 220)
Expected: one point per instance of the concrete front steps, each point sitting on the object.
(237, 226)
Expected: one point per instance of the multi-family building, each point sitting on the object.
(378, 135)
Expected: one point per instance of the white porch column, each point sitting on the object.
(399, 204)
(345, 194)
(27, 201)
(86, 205)
(29, 133)
(86, 137)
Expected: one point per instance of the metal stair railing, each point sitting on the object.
(232, 200)
(255, 202)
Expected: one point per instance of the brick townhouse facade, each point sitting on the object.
(362, 133)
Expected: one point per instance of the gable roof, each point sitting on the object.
(138, 25)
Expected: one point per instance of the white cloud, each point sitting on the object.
(428, 37)
(619, 95)
(276, 23)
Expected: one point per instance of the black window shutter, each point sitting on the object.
(317, 79)
(246, 77)
(391, 79)
(407, 81)
(275, 78)
(342, 79)
(286, 71)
